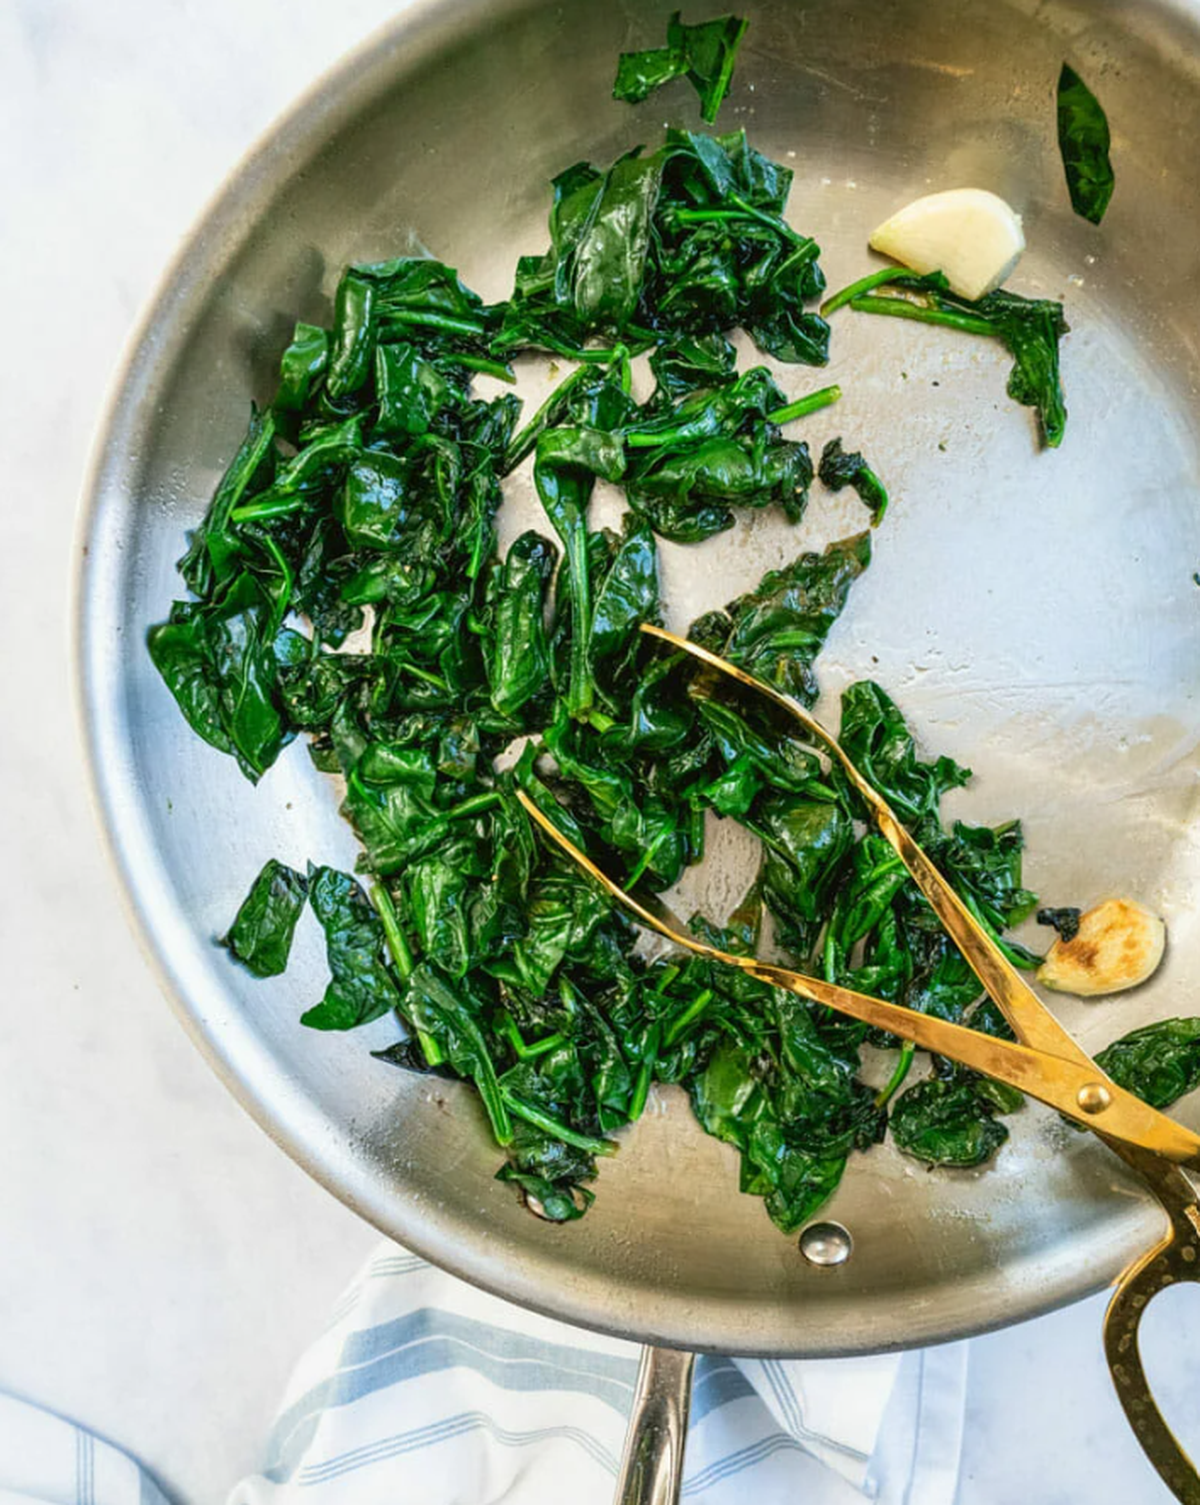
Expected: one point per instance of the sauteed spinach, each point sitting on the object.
(1160, 1062)
(1029, 328)
(346, 583)
(705, 53)
(1083, 141)
(261, 934)
(665, 251)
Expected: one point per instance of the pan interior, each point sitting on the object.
(1035, 614)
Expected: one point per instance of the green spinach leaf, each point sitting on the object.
(1159, 1062)
(1030, 329)
(261, 934)
(361, 987)
(705, 53)
(1083, 141)
(947, 1123)
(838, 469)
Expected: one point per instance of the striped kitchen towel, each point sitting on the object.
(46, 1460)
(425, 1388)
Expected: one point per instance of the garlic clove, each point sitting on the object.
(971, 235)
(1119, 944)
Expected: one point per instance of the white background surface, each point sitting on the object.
(161, 1263)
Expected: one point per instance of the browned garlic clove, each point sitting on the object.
(1119, 944)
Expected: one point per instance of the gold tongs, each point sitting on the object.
(1045, 1062)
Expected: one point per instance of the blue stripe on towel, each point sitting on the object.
(429, 1340)
(446, 1431)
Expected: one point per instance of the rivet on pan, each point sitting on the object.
(826, 1244)
(1093, 1097)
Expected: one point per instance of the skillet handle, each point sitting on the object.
(1175, 1258)
(652, 1468)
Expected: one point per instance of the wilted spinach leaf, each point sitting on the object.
(219, 663)
(361, 988)
(568, 462)
(451, 1017)
(518, 654)
(879, 744)
(778, 629)
(1083, 141)
(947, 1122)
(706, 53)
(838, 469)
(1029, 328)
(1159, 1062)
(261, 934)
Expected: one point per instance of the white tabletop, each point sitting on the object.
(161, 1263)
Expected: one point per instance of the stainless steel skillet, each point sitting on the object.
(1034, 614)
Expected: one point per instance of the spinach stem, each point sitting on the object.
(641, 1088)
(528, 1052)
(1018, 956)
(717, 91)
(428, 676)
(476, 805)
(829, 956)
(689, 1016)
(801, 408)
(274, 506)
(484, 366)
(546, 415)
(402, 957)
(396, 943)
(904, 308)
(638, 340)
(579, 689)
(429, 319)
(743, 211)
(698, 429)
(550, 1125)
(885, 1095)
(540, 339)
(663, 437)
(863, 285)
(283, 598)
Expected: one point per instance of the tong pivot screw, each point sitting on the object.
(1093, 1097)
